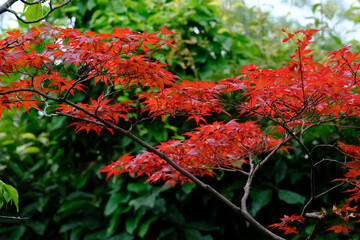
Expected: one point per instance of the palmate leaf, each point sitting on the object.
(339, 228)
(208, 146)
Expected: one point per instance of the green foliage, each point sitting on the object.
(8, 194)
(33, 12)
(260, 198)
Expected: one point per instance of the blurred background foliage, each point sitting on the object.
(55, 170)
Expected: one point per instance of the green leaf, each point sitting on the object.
(114, 202)
(291, 197)
(114, 223)
(175, 215)
(75, 234)
(1, 194)
(315, 6)
(225, 41)
(144, 226)
(260, 199)
(157, 130)
(188, 187)
(192, 234)
(16, 235)
(22, 148)
(90, 4)
(202, 226)
(95, 236)
(157, 190)
(138, 188)
(38, 165)
(145, 201)
(82, 7)
(13, 195)
(132, 222)
(69, 225)
(34, 12)
(122, 236)
(279, 170)
(37, 226)
(28, 135)
(73, 205)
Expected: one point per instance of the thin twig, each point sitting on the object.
(15, 218)
(51, 9)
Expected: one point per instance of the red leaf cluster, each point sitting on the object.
(346, 212)
(208, 147)
(48, 61)
(288, 224)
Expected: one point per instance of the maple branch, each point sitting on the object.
(302, 77)
(351, 69)
(321, 219)
(311, 163)
(201, 184)
(340, 126)
(8, 45)
(329, 190)
(313, 198)
(266, 159)
(80, 80)
(342, 117)
(31, 90)
(78, 118)
(329, 160)
(248, 185)
(236, 209)
(226, 169)
(102, 122)
(338, 149)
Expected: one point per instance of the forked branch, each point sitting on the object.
(6, 8)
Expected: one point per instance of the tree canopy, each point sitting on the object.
(269, 129)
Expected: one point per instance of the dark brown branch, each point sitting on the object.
(302, 77)
(5, 7)
(208, 188)
(31, 3)
(321, 218)
(329, 160)
(313, 198)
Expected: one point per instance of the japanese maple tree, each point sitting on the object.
(265, 110)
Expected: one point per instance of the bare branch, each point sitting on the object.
(329, 160)
(15, 218)
(6, 8)
(31, 3)
(321, 218)
(313, 198)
